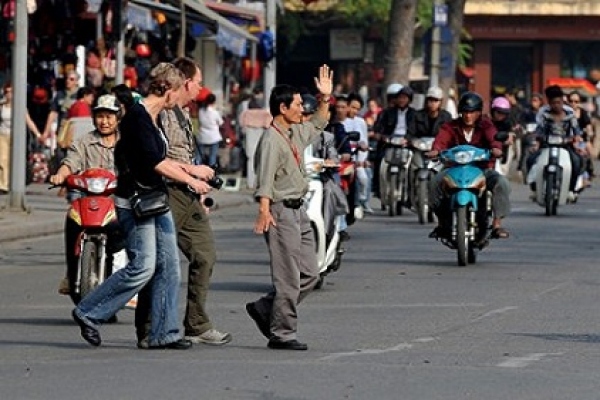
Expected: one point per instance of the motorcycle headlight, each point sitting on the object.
(96, 185)
(555, 139)
(463, 157)
(531, 128)
(423, 144)
(397, 140)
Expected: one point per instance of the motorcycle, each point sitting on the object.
(393, 172)
(94, 216)
(470, 203)
(324, 219)
(529, 146)
(551, 173)
(422, 174)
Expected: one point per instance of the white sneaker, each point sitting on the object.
(571, 197)
(359, 213)
(212, 337)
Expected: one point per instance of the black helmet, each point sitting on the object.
(309, 104)
(470, 101)
(406, 90)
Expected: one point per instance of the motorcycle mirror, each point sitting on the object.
(501, 136)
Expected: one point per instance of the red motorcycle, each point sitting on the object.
(91, 230)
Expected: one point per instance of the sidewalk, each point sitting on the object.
(47, 211)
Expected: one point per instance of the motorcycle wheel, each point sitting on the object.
(551, 202)
(402, 191)
(89, 268)
(422, 206)
(391, 199)
(462, 240)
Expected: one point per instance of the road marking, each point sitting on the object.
(495, 312)
(364, 352)
(380, 305)
(524, 361)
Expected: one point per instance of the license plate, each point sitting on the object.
(394, 168)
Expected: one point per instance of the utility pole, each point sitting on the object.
(271, 67)
(121, 13)
(440, 19)
(16, 195)
(182, 30)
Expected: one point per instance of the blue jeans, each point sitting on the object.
(154, 260)
(212, 150)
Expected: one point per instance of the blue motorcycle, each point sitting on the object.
(468, 200)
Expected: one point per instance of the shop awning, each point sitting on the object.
(139, 14)
(581, 85)
(201, 8)
(248, 16)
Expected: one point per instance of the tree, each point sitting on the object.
(456, 12)
(401, 28)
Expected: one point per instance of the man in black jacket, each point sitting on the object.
(396, 120)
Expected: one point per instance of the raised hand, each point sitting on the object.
(324, 81)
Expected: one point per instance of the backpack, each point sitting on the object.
(266, 46)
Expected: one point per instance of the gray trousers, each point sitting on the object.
(293, 269)
(495, 182)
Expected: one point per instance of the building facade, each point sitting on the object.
(527, 44)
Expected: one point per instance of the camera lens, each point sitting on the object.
(216, 182)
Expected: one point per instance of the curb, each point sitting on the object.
(43, 225)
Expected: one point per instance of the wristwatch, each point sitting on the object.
(326, 100)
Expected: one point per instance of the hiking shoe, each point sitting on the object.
(212, 337)
(63, 286)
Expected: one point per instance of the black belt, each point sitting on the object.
(293, 203)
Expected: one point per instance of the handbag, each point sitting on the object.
(149, 204)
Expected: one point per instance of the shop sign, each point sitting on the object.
(345, 44)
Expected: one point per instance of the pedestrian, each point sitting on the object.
(140, 157)
(194, 234)
(282, 218)
(79, 118)
(355, 123)
(210, 135)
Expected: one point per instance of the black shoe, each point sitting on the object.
(344, 236)
(181, 344)
(89, 333)
(264, 326)
(278, 344)
(113, 320)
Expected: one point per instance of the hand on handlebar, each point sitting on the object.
(432, 154)
(57, 180)
(496, 153)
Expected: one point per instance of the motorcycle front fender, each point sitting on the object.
(423, 174)
(464, 198)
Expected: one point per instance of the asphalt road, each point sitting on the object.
(399, 321)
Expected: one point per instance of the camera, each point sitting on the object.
(215, 182)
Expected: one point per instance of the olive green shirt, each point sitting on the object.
(88, 151)
(278, 175)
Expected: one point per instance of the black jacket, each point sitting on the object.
(421, 124)
(387, 120)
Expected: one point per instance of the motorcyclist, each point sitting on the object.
(391, 94)
(93, 150)
(394, 121)
(470, 129)
(500, 115)
(558, 118)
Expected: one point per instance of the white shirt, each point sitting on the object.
(401, 125)
(5, 120)
(358, 124)
(210, 121)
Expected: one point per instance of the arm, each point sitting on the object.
(31, 125)
(266, 167)
(174, 170)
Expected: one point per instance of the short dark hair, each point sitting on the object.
(342, 97)
(356, 97)
(554, 91)
(572, 93)
(281, 94)
(84, 91)
(123, 93)
(186, 65)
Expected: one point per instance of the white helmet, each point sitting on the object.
(435, 92)
(393, 89)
